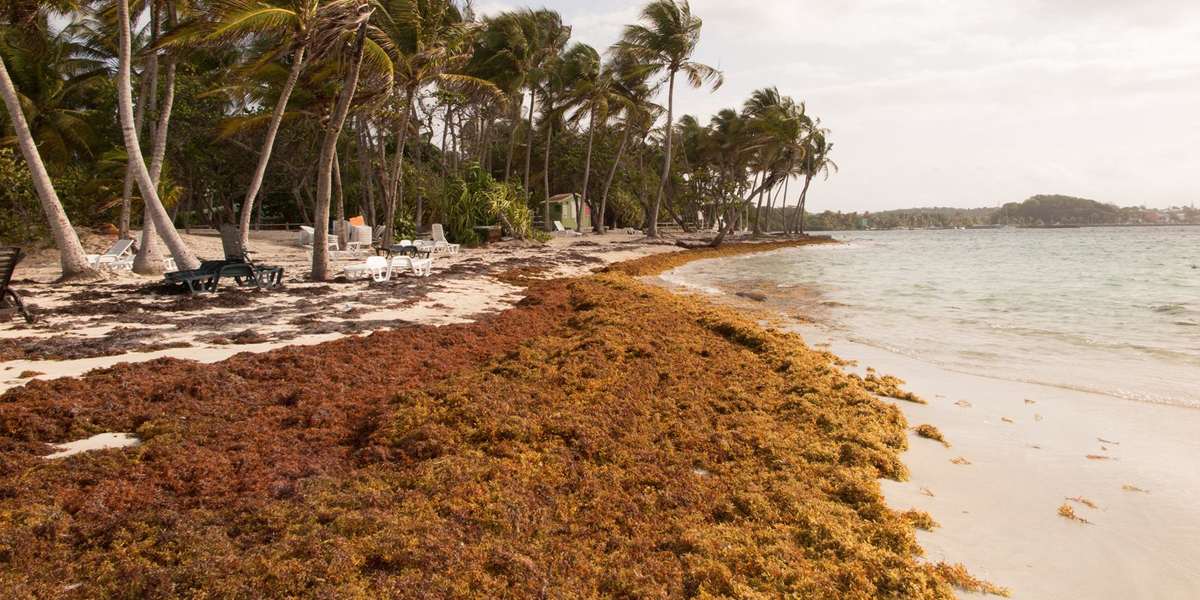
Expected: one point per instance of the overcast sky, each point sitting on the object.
(965, 103)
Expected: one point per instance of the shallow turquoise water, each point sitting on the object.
(1111, 310)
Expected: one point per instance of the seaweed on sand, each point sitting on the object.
(604, 439)
(919, 519)
(928, 431)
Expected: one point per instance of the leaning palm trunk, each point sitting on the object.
(149, 259)
(803, 201)
(395, 198)
(608, 182)
(546, 176)
(758, 212)
(512, 138)
(418, 151)
(320, 265)
(652, 228)
(70, 251)
(731, 213)
(184, 257)
(339, 193)
(264, 157)
(127, 190)
(529, 139)
(367, 198)
(587, 172)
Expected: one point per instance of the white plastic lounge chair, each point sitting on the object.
(376, 267)
(306, 236)
(419, 266)
(440, 243)
(118, 256)
(563, 231)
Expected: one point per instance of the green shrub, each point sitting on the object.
(476, 200)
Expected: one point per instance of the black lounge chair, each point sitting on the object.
(10, 302)
(237, 264)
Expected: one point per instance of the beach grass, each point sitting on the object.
(603, 439)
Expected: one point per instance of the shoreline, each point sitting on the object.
(603, 356)
(999, 513)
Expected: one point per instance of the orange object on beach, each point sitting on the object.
(358, 221)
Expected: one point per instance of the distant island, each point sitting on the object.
(1043, 210)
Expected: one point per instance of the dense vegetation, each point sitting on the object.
(1055, 210)
(178, 113)
(604, 439)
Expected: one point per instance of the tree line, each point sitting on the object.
(168, 114)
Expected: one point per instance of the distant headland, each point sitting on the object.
(1042, 210)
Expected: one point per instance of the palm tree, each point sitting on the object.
(816, 161)
(183, 255)
(55, 77)
(233, 22)
(666, 43)
(591, 93)
(149, 258)
(773, 134)
(428, 43)
(71, 255)
(503, 53)
(552, 38)
(354, 15)
(554, 87)
(631, 94)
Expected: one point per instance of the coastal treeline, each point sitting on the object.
(1043, 210)
(171, 114)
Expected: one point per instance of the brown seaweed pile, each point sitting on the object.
(603, 439)
(928, 431)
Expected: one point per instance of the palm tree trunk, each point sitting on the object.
(418, 151)
(264, 157)
(70, 251)
(445, 148)
(587, 172)
(340, 195)
(803, 200)
(512, 138)
(486, 121)
(184, 258)
(731, 215)
(783, 204)
(320, 268)
(758, 212)
(546, 176)
(608, 182)
(396, 182)
(368, 190)
(149, 259)
(127, 191)
(529, 138)
(652, 230)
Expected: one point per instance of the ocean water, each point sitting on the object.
(1108, 310)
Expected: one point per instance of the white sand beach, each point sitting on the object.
(1029, 447)
(462, 287)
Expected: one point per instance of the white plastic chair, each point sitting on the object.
(118, 256)
(560, 230)
(419, 266)
(376, 267)
(306, 236)
(439, 240)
